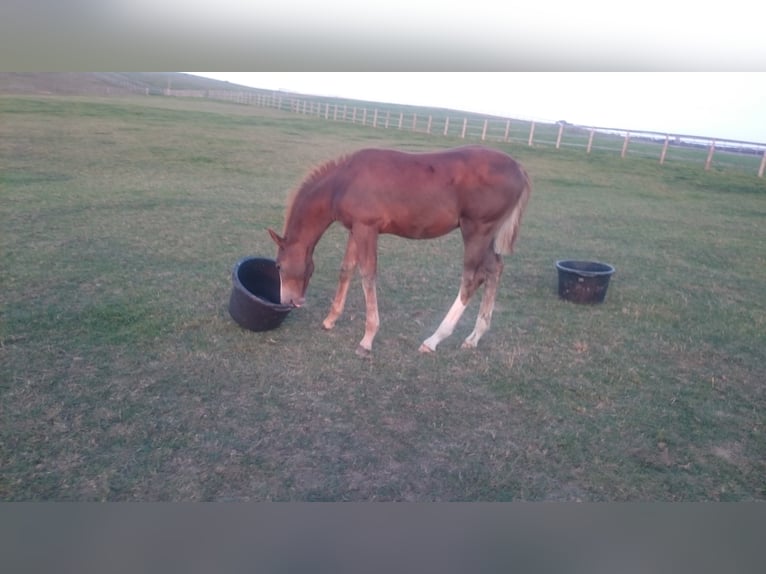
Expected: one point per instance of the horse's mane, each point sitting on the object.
(314, 176)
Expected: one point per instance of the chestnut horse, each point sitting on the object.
(415, 195)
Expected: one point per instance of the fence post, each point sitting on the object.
(364, 116)
(531, 134)
(388, 117)
(401, 119)
(664, 149)
(625, 145)
(428, 128)
(375, 118)
(326, 111)
(710, 152)
(763, 164)
(414, 121)
(484, 131)
(590, 140)
(353, 116)
(507, 130)
(465, 125)
(446, 129)
(558, 139)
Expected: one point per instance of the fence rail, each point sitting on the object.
(665, 147)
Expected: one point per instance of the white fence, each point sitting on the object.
(708, 152)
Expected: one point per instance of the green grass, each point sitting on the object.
(124, 378)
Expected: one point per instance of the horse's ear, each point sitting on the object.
(277, 239)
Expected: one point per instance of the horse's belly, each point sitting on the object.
(420, 227)
(419, 214)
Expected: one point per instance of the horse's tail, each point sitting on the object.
(509, 229)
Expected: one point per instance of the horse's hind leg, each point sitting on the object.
(447, 325)
(480, 264)
(347, 268)
(494, 263)
(472, 278)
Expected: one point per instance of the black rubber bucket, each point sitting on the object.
(583, 281)
(254, 303)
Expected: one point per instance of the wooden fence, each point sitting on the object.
(708, 152)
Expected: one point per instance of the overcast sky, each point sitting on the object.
(658, 37)
(721, 105)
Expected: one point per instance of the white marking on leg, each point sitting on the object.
(484, 318)
(447, 326)
(482, 324)
(372, 321)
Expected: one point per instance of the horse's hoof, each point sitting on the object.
(426, 349)
(364, 353)
(468, 345)
(327, 326)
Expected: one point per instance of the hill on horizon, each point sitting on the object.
(107, 83)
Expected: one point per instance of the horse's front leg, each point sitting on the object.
(372, 321)
(367, 250)
(347, 268)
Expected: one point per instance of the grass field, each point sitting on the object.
(124, 378)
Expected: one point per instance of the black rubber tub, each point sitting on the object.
(254, 303)
(583, 281)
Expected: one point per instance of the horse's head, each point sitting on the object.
(295, 266)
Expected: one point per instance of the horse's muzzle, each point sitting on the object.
(297, 303)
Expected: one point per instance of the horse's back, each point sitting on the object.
(470, 167)
(421, 195)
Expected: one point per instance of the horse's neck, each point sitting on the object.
(309, 219)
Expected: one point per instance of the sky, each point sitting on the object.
(590, 39)
(724, 105)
